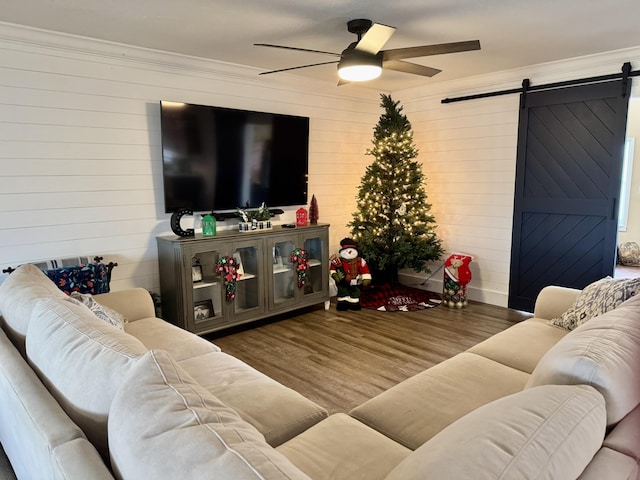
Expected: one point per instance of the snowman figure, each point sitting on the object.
(349, 271)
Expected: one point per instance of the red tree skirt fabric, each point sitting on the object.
(398, 298)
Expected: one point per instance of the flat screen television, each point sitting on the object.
(217, 159)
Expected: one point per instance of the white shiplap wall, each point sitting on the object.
(80, 151)
(80, 159)
(468, 151)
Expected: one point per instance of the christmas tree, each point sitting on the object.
(393, 224)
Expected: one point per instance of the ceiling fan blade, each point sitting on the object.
(427, 50)
(295, 48)
(375, 38)
(407, 67)
(296, 68)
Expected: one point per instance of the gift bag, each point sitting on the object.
(457, 275)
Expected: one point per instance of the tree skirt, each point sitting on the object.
(398, 298)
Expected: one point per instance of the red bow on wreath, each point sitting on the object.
(300, 260)
(226, 267)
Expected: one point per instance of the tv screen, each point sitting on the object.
(216, 158)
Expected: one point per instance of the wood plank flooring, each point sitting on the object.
(341, 359)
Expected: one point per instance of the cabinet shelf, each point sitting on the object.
(281, 269)
(205, 283)
(211, 283)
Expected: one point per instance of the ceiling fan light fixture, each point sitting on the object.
(359, 73)
(362, 60)
(358, 67)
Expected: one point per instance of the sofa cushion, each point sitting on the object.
(340, 447)
(604, 353)
(18, 295)
(278, 412)
(157, 334)
(522, 345)
(136, 305)
(82, 361)
(596, 299)
(416, 409)
(546, 432)
(164, 425)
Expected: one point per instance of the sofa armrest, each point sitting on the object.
(78, 460)
(553, 301)
(133, 303)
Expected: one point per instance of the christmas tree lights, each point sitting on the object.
(393, 224)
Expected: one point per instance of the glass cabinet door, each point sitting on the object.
(247, 295)
(317, 274)
(283, 273)
(207, 291)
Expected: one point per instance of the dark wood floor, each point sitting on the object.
(341, 359)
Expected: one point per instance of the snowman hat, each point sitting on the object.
(348, 243)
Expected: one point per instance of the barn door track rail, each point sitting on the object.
(625, 74)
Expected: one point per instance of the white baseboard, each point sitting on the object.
(434, 284)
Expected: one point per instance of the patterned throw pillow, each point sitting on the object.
(90, 278)
(103, 312)
(596, 299)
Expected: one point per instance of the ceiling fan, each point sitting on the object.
(364, 60)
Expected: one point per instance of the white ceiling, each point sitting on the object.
(513, 33)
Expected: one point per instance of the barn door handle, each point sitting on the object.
(613, 208)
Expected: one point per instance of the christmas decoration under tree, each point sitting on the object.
(393, 224)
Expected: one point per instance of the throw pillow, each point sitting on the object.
(603, 353)
(165, 425)
(19, 293)
(596, 299)
(82, 361)
(103, 312)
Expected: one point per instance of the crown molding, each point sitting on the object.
(29, 39)
(568, 69)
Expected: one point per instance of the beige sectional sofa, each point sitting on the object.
(82, 398)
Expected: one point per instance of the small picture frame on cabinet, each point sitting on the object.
(196, 273)
(203, 310)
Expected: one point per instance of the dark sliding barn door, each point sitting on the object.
(570, 150)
